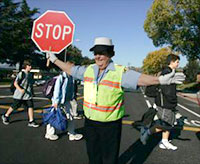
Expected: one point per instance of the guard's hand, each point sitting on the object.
(51, 56)
(178, 78)
(172, 77)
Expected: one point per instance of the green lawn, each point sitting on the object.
(191, 87)
(4, 83)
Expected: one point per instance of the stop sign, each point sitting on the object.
(53, 31)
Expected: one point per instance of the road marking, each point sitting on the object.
(6, 107)
(148, 104)
(36, 110)
(194, 129)
(195, 122)
(35, 98)
(37, 93)
(9, 96)
(40, 98)
(189, 110)
(186, 128)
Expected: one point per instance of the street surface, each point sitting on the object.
(20, 144)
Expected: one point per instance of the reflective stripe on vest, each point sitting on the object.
(102, 108)
(104, 101)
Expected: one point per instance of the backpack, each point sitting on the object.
(48, 87)
(147, 118)
(12, 86)
(152, 91)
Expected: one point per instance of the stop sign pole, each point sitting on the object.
(53, 31)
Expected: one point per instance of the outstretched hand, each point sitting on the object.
(171, 78)
(178, 78)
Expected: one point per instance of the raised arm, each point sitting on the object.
(145, 80)
(65, 66)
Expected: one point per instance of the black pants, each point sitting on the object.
(18, 102)
(103, 141)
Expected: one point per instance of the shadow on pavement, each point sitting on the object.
(137, 153)
(175, 133)
(198, 135)
(126, 115)
(26, 120)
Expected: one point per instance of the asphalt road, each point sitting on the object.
(20, 144)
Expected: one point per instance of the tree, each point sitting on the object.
(8, 24)
(175, 23)
(191, 70)
(16, 24)
(155, 61)
(24, 44)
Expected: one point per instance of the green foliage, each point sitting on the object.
(189, 87)
(73, 54)
(8, 22)
(155, 61)
(16, 24)
(175, 23)
(191, 70)
(4, 74)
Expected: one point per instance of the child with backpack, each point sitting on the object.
(166, 101)
(62, 94)
(23, 95)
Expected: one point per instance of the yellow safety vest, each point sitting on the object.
(104, 101)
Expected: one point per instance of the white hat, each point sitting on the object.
(102, 43)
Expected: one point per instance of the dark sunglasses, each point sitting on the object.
(101, 53)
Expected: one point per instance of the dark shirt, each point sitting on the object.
(168, 93)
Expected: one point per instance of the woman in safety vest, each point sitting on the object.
(103, 105)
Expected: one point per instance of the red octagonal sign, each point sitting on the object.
(53, 31)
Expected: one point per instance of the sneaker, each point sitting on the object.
(51, 137)
(33, 124)
(78, 117)
(75, 137)
(167, 145)
(144, 135)
(5, 120)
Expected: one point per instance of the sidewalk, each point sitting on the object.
(189, 96)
